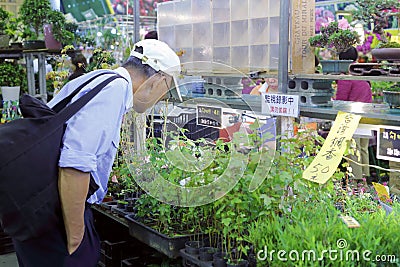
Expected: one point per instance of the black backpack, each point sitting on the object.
(30, 151)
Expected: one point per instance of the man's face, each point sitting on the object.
(151, 91)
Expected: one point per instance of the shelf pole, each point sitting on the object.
(284, 124)
(284, 22)
(136, 19)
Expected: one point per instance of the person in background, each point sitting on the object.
(356, 91)
(248, 85)
(80, 64)
(151, 35)
(267, 85)
(88, 150)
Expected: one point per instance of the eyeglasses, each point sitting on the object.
(168, 82)
(167, 78)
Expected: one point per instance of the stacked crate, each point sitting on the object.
(311, 92)
(6, 245)
(112, 253)
(185, 119)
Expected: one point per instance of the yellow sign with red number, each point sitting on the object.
(328, 159)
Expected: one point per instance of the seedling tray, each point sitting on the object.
(167, 245)
(194, 259)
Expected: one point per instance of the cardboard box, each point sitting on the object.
(303, 27)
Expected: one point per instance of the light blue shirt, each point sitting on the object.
(92, 135)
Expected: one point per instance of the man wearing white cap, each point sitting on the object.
(88, 150)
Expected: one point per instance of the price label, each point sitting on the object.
(209, 116)
(326, 162)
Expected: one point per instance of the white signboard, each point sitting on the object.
(280, 105)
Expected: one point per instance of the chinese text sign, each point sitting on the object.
(209, 116)
(280, 105)
(328, 159)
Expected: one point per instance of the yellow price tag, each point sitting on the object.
(328, 159)
(381, 191)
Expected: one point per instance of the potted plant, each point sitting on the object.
(389, 51)
(5, 20)
(375, 15)
(391, 95)
(34, 14)
(12, 76)
(55, 30)
(336, 37)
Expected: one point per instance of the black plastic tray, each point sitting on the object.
(167, 245)
(108, 205)
(195, 259)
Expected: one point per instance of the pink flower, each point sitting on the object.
(343, 24)
(318, 23)
(318, 11)
(327, 22)
(328, 15)
(114, 179)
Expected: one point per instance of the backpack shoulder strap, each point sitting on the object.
(63, 103)
(70, 110)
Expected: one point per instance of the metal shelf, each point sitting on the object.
(344, 77)
(375, 114)
(372, 113)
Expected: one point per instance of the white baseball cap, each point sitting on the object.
(160, 56)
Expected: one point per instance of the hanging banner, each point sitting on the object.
(328, 159)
